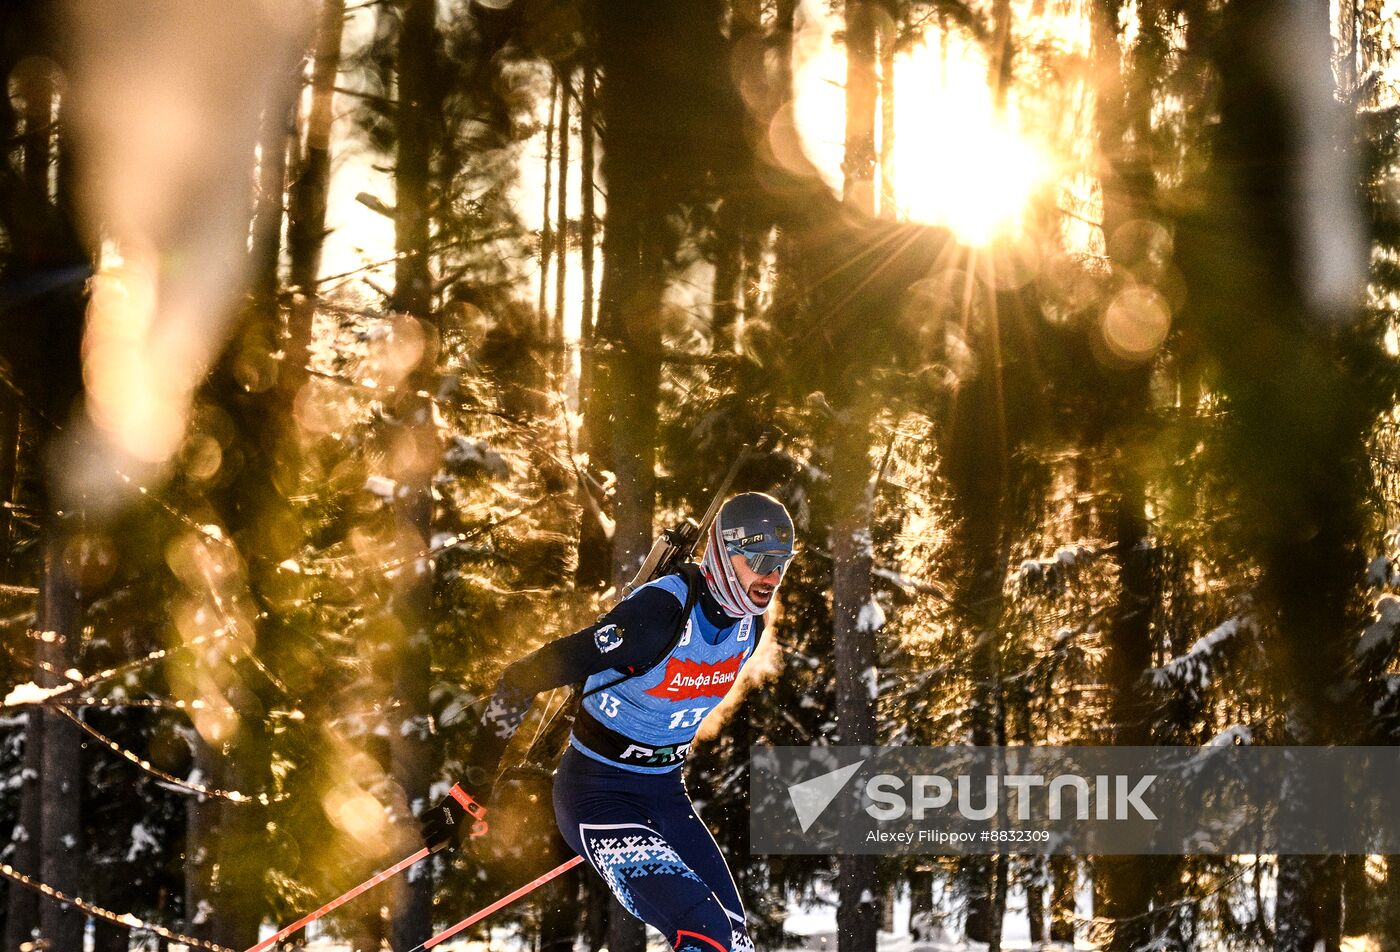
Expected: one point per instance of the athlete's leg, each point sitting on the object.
(614, 819)
(697, 848)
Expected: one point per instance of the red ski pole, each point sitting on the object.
(498, 904)
(341, 900)
(478, 828)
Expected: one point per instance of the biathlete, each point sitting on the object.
(619, 795)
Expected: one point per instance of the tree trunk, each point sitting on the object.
(975, 457)
(1000, 874)
(1125, 885)
(594, 553)
(202, 816)
(754, 231)
(921, 910)
(1062, 894)
(22, 908)
(34, 85)
(546, 232)
(240, 899)
(1357, 906)
(61, 773)
(1124, 130)
(274, 142)
(626, 933)
(587, 221)
(854, 626)
(561, 264)
(889, 31)
(10, 417)
(1328, 899)
(635, 240)
(1035, 899)
(1296, 913)
(862, 91)
(1388, 926)
(633, 283)
(560, 913)
(410, 749)
(1282, 331)
(306, 213)
(1125, 882)
(110, 936)
(729, 272)
(365, 932)
(1000, 61)
(42, 357)
(597, 902)
(410, 744)
(636, 377)
(736, 247)
(416, 120)
(980, 874)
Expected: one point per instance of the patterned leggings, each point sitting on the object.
(641, 834)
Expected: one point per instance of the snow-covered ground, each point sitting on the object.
(814, 923)
(817, 924)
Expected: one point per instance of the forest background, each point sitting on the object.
(353, 349)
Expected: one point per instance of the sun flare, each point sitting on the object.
(958, 160)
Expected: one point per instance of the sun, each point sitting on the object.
(958, 161)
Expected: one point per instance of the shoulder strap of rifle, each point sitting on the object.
(691, 573)
(554, 734)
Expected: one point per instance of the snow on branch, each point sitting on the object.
(1236, 735)
(31, 693)
(908, 583)
(1379, 640)
(871, 618)
(1380, 573)
(1389, 698)
(1051, 576)
(1193, 669)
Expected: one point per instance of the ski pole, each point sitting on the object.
(504, 901)
(339, 901)
(479, 828)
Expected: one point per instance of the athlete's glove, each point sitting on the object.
(451, 819)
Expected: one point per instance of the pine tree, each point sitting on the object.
(1272, 314)
(41, 243)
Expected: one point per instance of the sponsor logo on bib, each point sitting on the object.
(684, 680)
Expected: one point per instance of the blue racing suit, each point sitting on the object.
(619, 795)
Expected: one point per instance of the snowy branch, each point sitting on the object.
(1379, 640)
(1194, 669)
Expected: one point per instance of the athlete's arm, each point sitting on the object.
(632, 633)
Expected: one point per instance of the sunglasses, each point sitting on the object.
(764, 563)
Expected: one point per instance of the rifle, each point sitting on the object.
(677, 544)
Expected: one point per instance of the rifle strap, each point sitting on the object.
(552, 739)
(691, 573)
